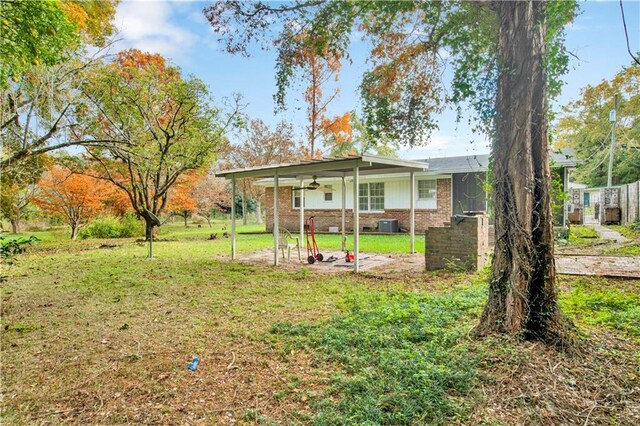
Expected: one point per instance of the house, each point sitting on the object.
(447, 186)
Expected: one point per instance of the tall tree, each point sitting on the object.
(260, 146)
(318, 68)
(503, 54)
(42, 62)
(585, 126)
(168, 123)
(522, 291)
(46, 32)
(71, 197)
(42, 111)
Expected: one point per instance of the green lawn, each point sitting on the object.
(582, 234)
(250, 237)
(103, 336)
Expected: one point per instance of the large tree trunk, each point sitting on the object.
(15, 226)
(258, 211)
(522, 293)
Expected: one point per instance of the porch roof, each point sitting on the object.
(329, 167)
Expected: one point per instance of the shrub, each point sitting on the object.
(10, 248)
(112, 227)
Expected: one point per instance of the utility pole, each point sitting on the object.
(612, 119)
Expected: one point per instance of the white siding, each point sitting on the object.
(396, 194)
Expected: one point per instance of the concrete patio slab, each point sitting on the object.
(607, 266)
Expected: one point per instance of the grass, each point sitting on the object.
(582, 234)
(250, 237)
(401, 356)
(103, 336)
(632, 249)
(595, 301)
(632, 232)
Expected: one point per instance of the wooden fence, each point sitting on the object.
(630, 202)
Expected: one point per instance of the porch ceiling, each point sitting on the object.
(329, 167)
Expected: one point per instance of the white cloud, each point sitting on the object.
(148, 26)
(435, 147)
(441, 145)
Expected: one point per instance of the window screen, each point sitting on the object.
(426, 189)
(372, 196)
(376, 197)
(364, 196)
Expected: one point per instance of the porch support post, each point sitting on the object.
(565, 188)
(233, 217)
(343, 223)
(302, 241)
(276, 218)
(412, 213)
(356, 219)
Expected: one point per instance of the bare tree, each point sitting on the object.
(212, 194)
(260, 146)
(39, 112)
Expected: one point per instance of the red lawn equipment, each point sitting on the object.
(349, 257)
(313, 252)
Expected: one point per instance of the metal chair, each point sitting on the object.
(286, 243)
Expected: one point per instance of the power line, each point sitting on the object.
(626, 34)
(598, 149)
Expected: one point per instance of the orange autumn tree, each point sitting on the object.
(338, 135)
(70, 197)
(181, 200)
(115, 201)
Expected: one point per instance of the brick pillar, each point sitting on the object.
(463, 244)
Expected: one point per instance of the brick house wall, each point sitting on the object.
(324, 218)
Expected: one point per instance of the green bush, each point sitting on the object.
(112, 227)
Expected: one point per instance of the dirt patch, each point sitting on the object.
(368, 261)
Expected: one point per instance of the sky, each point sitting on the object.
(178, 30)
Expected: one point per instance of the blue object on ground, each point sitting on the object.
(194, 365)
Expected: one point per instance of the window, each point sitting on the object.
(328, 196)
(295, 199)
(372, 196)
(426, 190)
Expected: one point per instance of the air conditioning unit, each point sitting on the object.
(389, 226)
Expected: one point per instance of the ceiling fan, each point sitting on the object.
(312, 186)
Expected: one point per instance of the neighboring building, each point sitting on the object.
(452, 185)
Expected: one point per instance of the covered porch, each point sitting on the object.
(344, 168)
